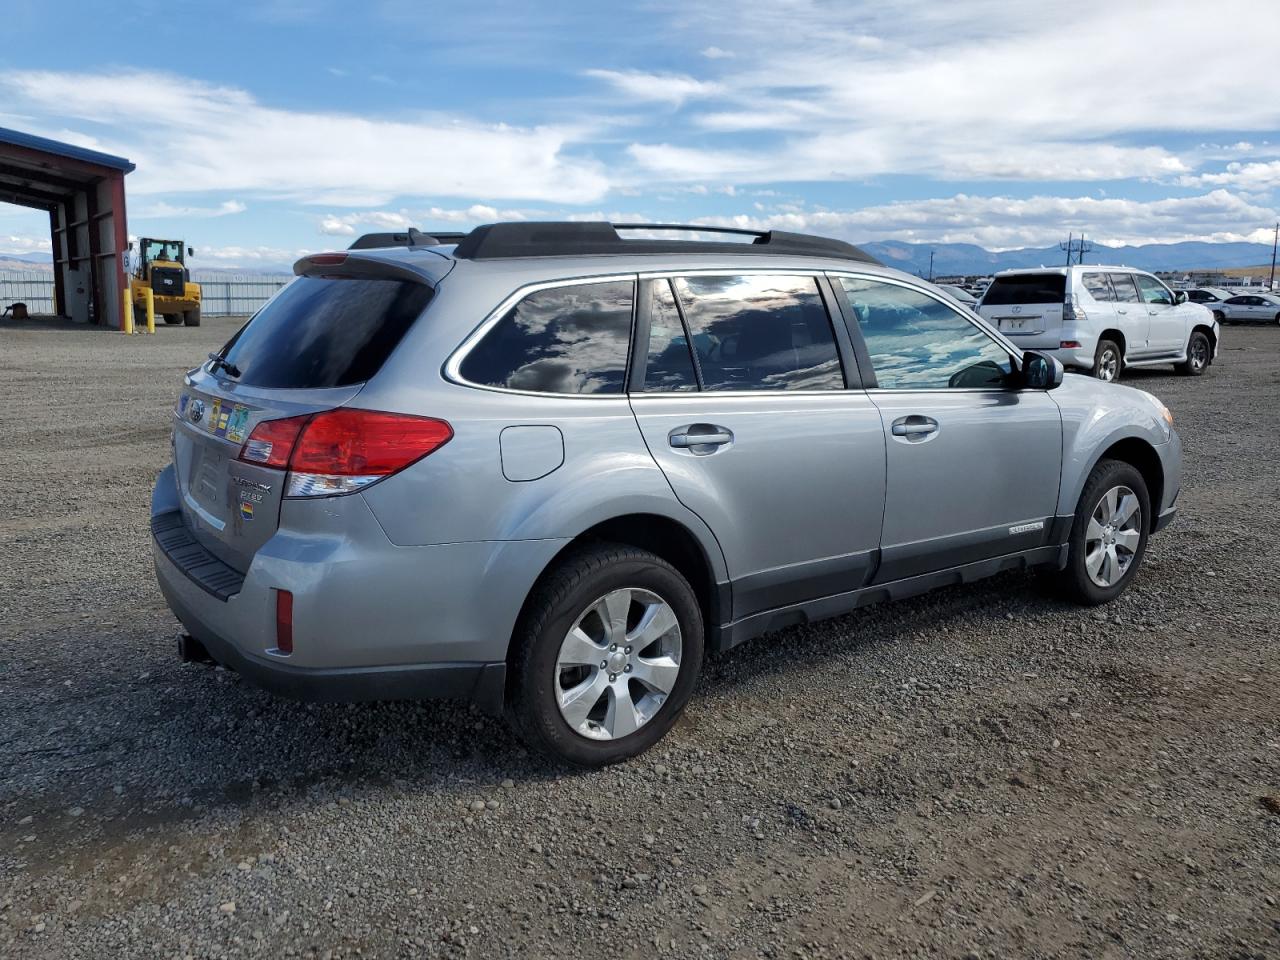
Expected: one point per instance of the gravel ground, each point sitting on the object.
(982, 772)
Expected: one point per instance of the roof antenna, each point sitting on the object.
(419, 239)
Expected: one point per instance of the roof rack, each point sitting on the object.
(410, 238)
(496, 241)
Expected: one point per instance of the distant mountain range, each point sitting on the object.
(951, 259)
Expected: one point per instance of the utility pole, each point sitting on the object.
(1076, 248)
(1271, 284)
(931, 266)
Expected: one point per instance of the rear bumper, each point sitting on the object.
(372, 621)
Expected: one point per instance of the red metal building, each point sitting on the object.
(83, 192)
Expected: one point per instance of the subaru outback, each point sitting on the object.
(550, 467)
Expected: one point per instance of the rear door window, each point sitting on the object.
(1025, 288)
(570, 339)
(1125, 290)
(760, 332)
(1099, 287)
(325, 332)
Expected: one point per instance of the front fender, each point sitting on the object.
(1095, 417)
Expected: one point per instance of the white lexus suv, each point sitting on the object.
(1101, 319)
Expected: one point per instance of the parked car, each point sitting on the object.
(548, 469)
(1101, 319)
(1248, 308)
(1208, 295)
(960, 294)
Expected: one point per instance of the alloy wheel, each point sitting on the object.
(1199, 353)
(618, 663)
(1108, 365)
(1111, 540)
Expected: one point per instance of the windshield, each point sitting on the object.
(162, 250)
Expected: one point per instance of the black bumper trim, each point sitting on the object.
(1164, 519)
(195, 562)
(482, 683)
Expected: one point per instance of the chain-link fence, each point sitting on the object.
(221, 294)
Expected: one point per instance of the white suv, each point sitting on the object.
(1101, 319)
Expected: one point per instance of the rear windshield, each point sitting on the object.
(1026, 288)
(325, 332)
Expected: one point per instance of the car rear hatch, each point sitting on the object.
(1027, 307)
(309, 349)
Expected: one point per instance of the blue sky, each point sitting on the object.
(269, 129)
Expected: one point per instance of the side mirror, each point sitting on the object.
(1041, 372)
(1180, 297)
(190, 252)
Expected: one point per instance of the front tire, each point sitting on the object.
(192, 317)
(606, 656)
(1109, 534)
(1107, 361)
(1198, 356)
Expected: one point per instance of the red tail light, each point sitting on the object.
(1069, 344)
(284, 621)
(342, 450)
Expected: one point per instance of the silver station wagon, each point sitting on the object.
(548, 467)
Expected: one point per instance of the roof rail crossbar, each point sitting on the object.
(413, 237)
(497, 241)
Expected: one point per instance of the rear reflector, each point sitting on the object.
(1069, 345)
(342, 450)
(284, 621)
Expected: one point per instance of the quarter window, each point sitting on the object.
(1099, 287)
(669, 366)
(1126, 292)
(760, 332)
(571, 339)
(919, 343)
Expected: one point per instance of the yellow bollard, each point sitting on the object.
(151, 311)
(126, 318)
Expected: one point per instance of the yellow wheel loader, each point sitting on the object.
(162, 266)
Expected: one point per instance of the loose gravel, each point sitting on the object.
(981, 772)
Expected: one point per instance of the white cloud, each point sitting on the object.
(349, 224)
(189, 136)
(162, 209)
(717, 53)
(1257, 176)
(1009, 222)
(672, 88)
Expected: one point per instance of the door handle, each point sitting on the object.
(700, 438)
(1118, 310)
(914, 426)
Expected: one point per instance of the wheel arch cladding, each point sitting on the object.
(660, 535)
(1116, 337)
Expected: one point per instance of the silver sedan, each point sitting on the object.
(1248, 308)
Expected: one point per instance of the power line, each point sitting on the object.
(1075, 248)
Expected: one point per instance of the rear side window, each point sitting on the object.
(760, 332)
(1099, 287)
(1026, 288)
(1126, 292)
(329, 332)
(570, 339)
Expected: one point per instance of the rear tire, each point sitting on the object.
(595, 604)
(1108, 361)
(1107, 543)
(173, 319)
(1199, 356)
(192, 317)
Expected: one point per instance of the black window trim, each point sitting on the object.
(860, 344)
(452, 372)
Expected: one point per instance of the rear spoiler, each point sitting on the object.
(410, 238)
(341, 266)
